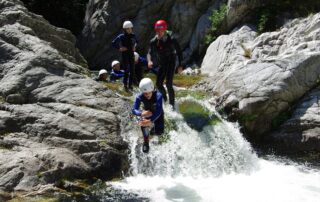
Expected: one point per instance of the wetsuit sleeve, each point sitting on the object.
(136, 107)
(136, 41)
(116, 42)
(143, 61)
(151, 51)
(117, 74)
(158, 110)
(178, 50)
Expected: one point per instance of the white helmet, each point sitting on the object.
(102, 71)
(115, 62)
(136, 56)
(127, 24)
(146, 85)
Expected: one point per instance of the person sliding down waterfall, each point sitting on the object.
(164, 48)
(152, 115)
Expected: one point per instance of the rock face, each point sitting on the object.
(188, 19)
(302, 131)
(239, 10)
(258, 79)
(55, 121)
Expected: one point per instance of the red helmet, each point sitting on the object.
(160, 25)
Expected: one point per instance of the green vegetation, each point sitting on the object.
(216, 20)
(3, 148)
(247, 51)
(117, 87)
(103, 143)
(153, 77)
(179, 79)
(262, 24)
(197, 94)
(268, 17)
(35, 199)
(67, 14)
(186, 80)
(2, 100)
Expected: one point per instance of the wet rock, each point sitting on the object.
(261, 86)
(15, 99)
(301, 132)
(55, 121)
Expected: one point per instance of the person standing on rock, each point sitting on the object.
(164, 48)
(152, 115)
(126, 43)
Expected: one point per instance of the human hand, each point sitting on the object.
(122, 49)
(179, 69)
(146, 114)
(145, 123)
(150, 64)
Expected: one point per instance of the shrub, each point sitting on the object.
(247, 51)
(216, 20)
(271, 16)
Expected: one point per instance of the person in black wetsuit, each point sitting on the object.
(152, 113)
(164, 48)
(126, 43)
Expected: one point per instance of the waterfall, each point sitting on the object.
(215, 150)
(212, 162)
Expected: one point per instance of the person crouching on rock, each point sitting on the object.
(126, 43)
(102, 76)
(152, 115)
(116, 72)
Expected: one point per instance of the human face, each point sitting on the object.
(160, 33)
(147, 95)
(104, 77)
(116, 67)
(128, 30)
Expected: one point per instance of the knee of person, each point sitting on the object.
(169, 85)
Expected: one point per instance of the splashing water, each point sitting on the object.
(216, 164)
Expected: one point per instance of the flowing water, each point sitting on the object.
(214, 164)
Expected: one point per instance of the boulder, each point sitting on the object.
(55, 121)
(256, 79)
(301, 132)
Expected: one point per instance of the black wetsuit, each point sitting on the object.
(164, 50)
(140, 68)
(128, 41)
